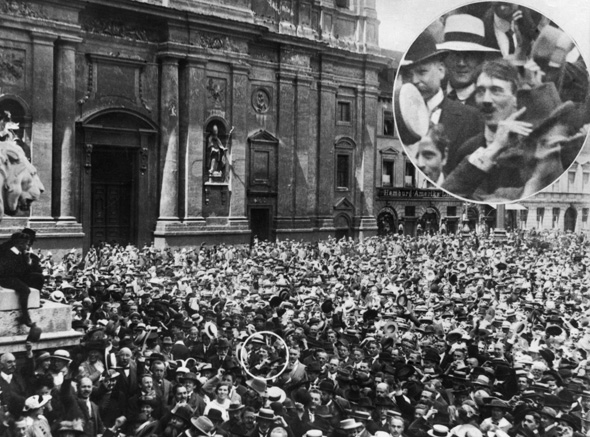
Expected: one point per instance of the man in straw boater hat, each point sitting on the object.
(464, 37)
(423, 66)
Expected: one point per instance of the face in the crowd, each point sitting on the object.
(495, 99)
(463, 68)
(564, 429)
(8, 363)
(357, 355)
(372, 349)
(497, 414)
(85, 388)
(180, 394)
(426, 76)
(158, 371)
(124, 357)
(396, 427)
(264, 424)
(222, 393)
(343, 351)
(21, 428)
(530, 422)
(522, 383)
(249, 420)
(293, 356)
(147, 409)
(333, 365)
(430, 159)
(316, 398)
(381, 390)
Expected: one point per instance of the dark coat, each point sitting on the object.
(460, 123)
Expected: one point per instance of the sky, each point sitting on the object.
(403, 20)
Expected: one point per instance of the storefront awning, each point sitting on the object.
(511, 207)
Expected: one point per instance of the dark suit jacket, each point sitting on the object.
(470, 182)
(460, 123)
(92, 422)
(14, 394)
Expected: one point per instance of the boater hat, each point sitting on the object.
(464, 33)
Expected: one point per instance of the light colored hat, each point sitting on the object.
(203, 424)
(464, 33)
(276, 394)
(438, 431)
(62, 355)
(349, 424)
(34, 402)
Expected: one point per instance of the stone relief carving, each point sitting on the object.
(12, 66)
(261, 100)
(216, 88)
(212, 41)
(110, 27)
(24, 9)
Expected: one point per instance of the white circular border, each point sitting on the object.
(241, 355)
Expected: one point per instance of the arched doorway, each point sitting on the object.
(387, 222)
(569, 220)
(119, 178)
(430, 220)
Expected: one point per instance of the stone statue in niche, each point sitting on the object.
(217, 155)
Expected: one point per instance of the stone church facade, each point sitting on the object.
(180, 122)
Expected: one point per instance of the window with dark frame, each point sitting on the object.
(451, 211)
(410, 211)
(540, 214)
(344, 115)
(388, 125)
(343, 171)
(341, 3)
(585, 212)
(387, 172)
(555, 217)
(410, 175)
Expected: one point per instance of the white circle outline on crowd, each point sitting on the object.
(241, 355)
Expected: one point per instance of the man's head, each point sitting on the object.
(505, 10)
(396, 426)
(463, 68)
(7, 363)
(432, 153)
(85, 388)
(427, 76)
(495, 91)
(124, 357)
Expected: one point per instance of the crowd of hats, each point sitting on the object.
(478, 323)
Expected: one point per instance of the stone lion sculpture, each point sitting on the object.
(20, 183)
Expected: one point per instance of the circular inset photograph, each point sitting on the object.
(263, 355)
(491, 102)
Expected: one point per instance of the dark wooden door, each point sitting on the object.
(569, 221)
(260, 223)
(113, 199)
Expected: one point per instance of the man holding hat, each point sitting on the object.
(423, 66)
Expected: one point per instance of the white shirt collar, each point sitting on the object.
(462, 93)
(6, 377)
(489, 135)
(435, 100)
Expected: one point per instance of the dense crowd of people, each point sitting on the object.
(428, 336)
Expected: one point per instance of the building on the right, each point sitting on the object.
(565, 205)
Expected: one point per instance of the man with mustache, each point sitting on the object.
(423, 67)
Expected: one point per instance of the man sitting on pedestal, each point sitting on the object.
(16, 271)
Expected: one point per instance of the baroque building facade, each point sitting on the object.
(180, 122)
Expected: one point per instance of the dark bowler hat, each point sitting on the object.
(422, 50)
(544, 107)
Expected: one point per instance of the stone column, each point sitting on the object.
(240, 102)
(42, 129)
(286, 152)
(303, 143)
(368, 223)
(196, 95)
(169, 140)
(325, 161)
(64, 133)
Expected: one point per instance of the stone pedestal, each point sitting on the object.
(54, 319)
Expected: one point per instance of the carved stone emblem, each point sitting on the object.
(261, 100)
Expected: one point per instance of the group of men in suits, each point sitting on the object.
(464, 103)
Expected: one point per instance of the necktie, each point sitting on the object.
(511, 47)
(452, 95)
